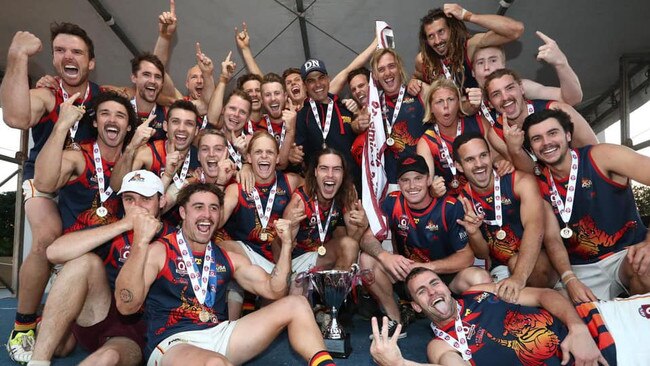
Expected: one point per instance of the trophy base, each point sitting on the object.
(339, 348)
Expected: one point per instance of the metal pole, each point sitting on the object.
(19, 219)
(624, 110)
(303, 28)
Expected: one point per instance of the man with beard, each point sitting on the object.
(73, 57)
(166, 276)
(335, 221)
(425, 233)
(446, 47)
(175, 151)
(504, 218)
(83, 176)
(606, 246)
(402, 112)
(80, 307)
(323, 121)
(541, 328)
(280, 117)
(505, 92)
(147, 76)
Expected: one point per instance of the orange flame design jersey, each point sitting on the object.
(604, 217)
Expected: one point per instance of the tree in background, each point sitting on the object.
(7, 214)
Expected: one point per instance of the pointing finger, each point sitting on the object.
(172, 7)
(546, 39)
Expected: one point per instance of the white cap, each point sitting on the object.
(142, 182)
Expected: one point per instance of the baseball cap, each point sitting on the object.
(142, 182)
(312, 65)
(412, 163)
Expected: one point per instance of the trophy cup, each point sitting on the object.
(333, 287)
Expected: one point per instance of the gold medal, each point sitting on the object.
(101, 211)
(204, 316)
(321, 250)
(454, 183)
(501, 234)
(264, 236)
(324, 146)
(390, 141)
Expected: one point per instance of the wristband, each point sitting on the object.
(569, 280)
(565, 274)
(465, 14)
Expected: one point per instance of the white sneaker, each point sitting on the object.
(20, 347)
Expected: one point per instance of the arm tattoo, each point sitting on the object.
(126, 296)
(371, 247)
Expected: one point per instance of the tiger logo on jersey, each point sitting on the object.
(588, 238)
(533, 341)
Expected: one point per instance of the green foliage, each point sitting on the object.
(7, 213)
(642, 197)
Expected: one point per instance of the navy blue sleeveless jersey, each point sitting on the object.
(171, 306)
(406, 131)
(340, 136)
(45, 125)
(509, 334)
(115, 252)
(157, 123)
(244, 223)
(434, 142)
(463, 78)
(604, 216)
(425, 235)
(308, 239)
(500, 250)
(79, 198)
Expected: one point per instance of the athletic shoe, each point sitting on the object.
(20, 346)
(392, 326)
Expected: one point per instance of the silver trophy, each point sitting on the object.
(333, 287)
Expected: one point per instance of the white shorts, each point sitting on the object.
(214, 339)
(602, 277)
(299, 264)
(628, 321)
(500, 273)
(29, 191)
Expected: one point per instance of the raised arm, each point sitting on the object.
(215, 106)
(21, 107)
(141, 268)
(500, 29)
(131, 156)
(207, 72)
(243, 43)
(54, 166)
(289, 117)
(356, 221)
(583, 135)
(338, 83)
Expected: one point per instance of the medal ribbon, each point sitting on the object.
(498, 218)
(322, 231)
(135, 107)
(249, 127)
(398, 106)
(234, 154)
(459, 344)
(97, 158)
(445, 69)
(204, 124)
(565, 208)
(485, 111)
(178, 180)
(265, 214)
(445, 154)
(199, 286)
(66, 96)
(328, 118)
(269, 128)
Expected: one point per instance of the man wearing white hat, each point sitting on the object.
(81, 307)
